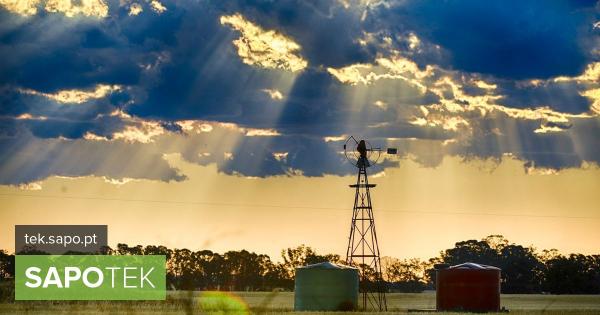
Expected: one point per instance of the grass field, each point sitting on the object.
(185, 302)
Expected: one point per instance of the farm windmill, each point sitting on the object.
(363, 247)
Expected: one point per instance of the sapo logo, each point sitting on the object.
(89, 277)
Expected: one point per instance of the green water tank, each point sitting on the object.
(326, 287)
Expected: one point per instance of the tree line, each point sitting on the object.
(524, 269)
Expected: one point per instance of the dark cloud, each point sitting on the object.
(319, 104)
(181, 64)
(327, 32)
(561, 96)
(497, 135)
(27, 159)
(509, 39)
(14, 102)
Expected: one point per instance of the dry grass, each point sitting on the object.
(185, 302)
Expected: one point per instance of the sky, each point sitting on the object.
(220, 124)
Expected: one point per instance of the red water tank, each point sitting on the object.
(468, 287)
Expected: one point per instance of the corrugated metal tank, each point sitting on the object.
(468, 287)
(326, 287)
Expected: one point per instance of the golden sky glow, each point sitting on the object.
(74, 8)
(77, 96)
(157, 6)
(135, 9)
(70, 8)
(142, 133)
(264, 48)
(274, 94)
(594, 94)
(395, 67)
(418, 211)
(22, 7)
(450, 113)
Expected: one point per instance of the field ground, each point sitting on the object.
(186, 302)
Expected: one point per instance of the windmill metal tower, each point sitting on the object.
(363, 247)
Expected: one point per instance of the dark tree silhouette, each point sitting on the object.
(520, 269)
(575, 274)
(523, 269)
(7, 265)
(406, 275)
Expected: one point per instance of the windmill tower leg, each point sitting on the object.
(363, 248)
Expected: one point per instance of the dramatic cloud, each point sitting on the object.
(267, 49)
(31, 159)
(92, 8)
(22, 7)
(157, 6)
(76, 96)
(274, 94)
(263, 88)
(396, 67)
(135, 9)
(524, 39)
(84, 7)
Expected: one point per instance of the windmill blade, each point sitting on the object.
(348, 140)
(350, 150)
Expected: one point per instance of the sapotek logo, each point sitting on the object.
(90, 277)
